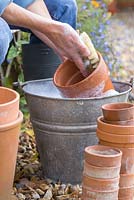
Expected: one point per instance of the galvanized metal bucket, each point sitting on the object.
(65, 126)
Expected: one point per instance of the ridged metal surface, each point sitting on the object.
(65, 126)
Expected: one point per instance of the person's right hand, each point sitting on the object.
(69, 44)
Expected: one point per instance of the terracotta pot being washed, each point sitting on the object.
(71, 83)
(103, 156)
(9, 105)
(9, 137)
(118, 111)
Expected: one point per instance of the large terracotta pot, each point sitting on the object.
(9, 105)
(118, 111)
(9, 137)
(71, 83)
(103, 156)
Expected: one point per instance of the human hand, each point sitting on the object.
(69, 44)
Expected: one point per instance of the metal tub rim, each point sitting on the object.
(74, 99)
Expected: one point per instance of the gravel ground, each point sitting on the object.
(121, 38)
(28, 183)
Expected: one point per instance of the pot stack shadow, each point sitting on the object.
(10, 120)
(116, 130)
(101, 173)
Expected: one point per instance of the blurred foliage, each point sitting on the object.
(94, 18)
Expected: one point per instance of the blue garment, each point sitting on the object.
(5, 38)
(3, 5)
(60, 10)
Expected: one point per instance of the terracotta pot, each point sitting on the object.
(118, 111)
(71, 83)
(126, 193)
(9, 105)
(114, 138)
(101, 172)
(126, 180)
(100, 184)
(9, 137)
(96, 195)
(127, 162)
(114, 129)
(116, 145)
(121, 123)
(103, 156)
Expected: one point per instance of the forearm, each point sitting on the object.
(39, 8)
(18, 16)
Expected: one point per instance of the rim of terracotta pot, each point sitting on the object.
(114, 138)
(93, 158)
(12, 124)
(110, 128)
(120, 123)
(117, 145)
(15, 98)
(100, 184)
(126, 180)
(80, 82)
(116, 111)
(101, 167)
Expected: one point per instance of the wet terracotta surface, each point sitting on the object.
(9, 105)
(71, 83)
(118, 111)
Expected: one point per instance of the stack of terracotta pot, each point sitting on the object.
(101, 173)
(10, 119)
(116, 129)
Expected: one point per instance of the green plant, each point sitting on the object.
(11, 69)
(94, 18)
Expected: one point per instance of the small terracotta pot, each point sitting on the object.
(114, 129)
(118, 111)
(126, 193)
(114, 138)
(126, 180)
(101, 172)
(103, 156)
(71, 83)
(9, 105)
(100, 184)
(96, 195)
(9, 137)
